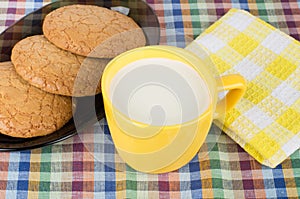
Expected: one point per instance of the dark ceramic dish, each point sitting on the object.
(32, 25)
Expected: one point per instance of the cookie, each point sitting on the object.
(57, 71)
(92, 31)
(27, 111)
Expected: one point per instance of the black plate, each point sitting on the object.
(32, 25)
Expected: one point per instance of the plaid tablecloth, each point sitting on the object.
(68, 170)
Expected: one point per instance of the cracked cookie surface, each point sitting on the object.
(27, 111)
(92, 31)
(57, 71)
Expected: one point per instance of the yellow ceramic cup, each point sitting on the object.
(137, 80)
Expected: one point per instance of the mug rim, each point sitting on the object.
(173, 51)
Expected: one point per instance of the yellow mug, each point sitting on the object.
(160, 102)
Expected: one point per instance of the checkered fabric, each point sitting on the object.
(266, 123)
(11, 11)
(68, 170)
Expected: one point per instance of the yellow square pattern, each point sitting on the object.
(268, 117)
(256, 93)
(234, 114)
(281, 134)
(290, 120)
(281, 68)
(261, 142)
(221, 65)
(232, 57)
(242, 40)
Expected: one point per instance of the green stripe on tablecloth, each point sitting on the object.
(295, 159)
(131, 183)
(45, 172)
(262, 11)
(56, 169)
(215, 165)
(195, 14)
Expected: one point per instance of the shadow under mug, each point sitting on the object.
(160, 102)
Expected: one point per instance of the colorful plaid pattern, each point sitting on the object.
(266, 123)
(11, 11)
(68, 170)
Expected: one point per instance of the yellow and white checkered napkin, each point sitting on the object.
(266, 122)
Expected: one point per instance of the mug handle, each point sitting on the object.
(236, 86)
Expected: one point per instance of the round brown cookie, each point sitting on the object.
(57, 71)
(27, 111)
(92, 31)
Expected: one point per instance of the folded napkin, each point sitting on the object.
(266, 122)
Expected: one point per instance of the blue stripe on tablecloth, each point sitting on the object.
(110, 177)
(33, 5)
(24, 169)
(185, 182)
(196, 185)
(178, 22)
(241, 4)
(269, 184)
(174, 23)
(279, 182)
(12, 178)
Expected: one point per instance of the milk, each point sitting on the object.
(159, 91)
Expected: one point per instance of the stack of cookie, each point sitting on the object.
(67, 61)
